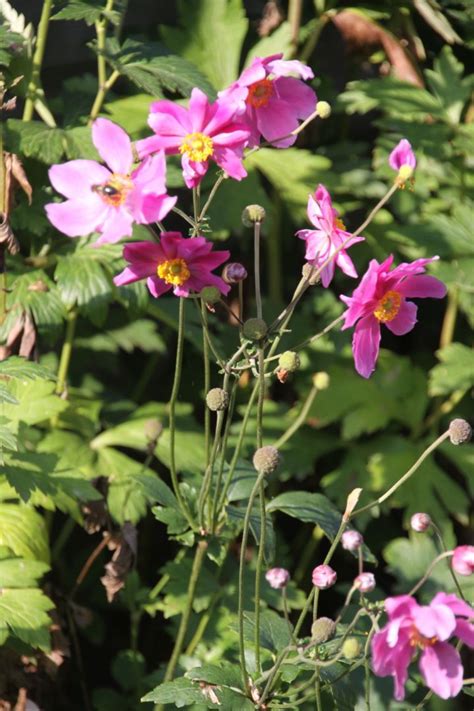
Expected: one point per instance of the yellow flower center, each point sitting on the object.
(418, 640)
(114, 192)
(198, 147)
(260, 93)
(173, 271)
(388, 307)
(339, 224)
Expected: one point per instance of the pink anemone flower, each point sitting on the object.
(381, 298)
(180, 263)
(427, 629)
(109, 199)
(273, 102)
(200, 133)
(328, 237)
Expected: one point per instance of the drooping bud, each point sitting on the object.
(254, 329)
(234, 272)
(460, 431)
(152, 428)
(323, 109)
(420, 522)
(210, 294)
(365, 582)
(266, 460)
(352, 540)
(463, 560)
(351, 648)
(217, 399)
(290, 361)
(324, 577)
(253, 214)
(321, 380)
(322, 630)
(309, 272)
(277, 578)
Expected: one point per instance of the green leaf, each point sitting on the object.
(445, 81)
(37, 401)
(23, 530)
(34, 139)
(223, 675)
(25, 612)
(431, 13)
(88, 10)
(309, 508)
(21, 573)
(274, 632)
(455, 371)
(128, 668)
(181, 692)
(210, 36)
(395, 97)
(83, 282)
(6, 396)
(23, 369)
(140, 334)
(131, 112)
(278, 41)
(236, 516)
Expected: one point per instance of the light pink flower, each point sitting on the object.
(329, 235)
(425, 628)
(351, 540)
(201, 133)
(109, 200)
(277, 578)
(420, 522)
(180, 263)
(463, 560)
(324, 577)
(381, 298)
(273, 101)
(365, 582)
(402, 155)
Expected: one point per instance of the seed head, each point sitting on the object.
(351, 648)
(460, 431)
(322, 630)
(210, 294)
(266, 460)
(254, 329)
(321, 380)
(217, 399)
(290, 361)
(324, 109)
(253, 214)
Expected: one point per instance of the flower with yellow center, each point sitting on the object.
(197, 146)
(388, 307)
(173, 271)
(115, 191)
(260, 93)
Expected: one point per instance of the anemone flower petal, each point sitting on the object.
(434, 621)
(365, 345)
(113, 145)
(77, 217)
(75, 177)
(422, 286)
(442, 670)
(118, 224)
(405, 320)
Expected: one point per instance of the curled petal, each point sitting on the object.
(422, 286)
(442, 670)
(434, 621)
(365, 345)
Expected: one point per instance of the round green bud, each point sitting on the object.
(254, 329)
(460, 431)
(210, 294)
(290, 361)
(152, 428)
(266, 460)
(321, 380)
(252, 214)
(351, 648)
(322, 630)
(217, 399)
(324, 109)
(309, 273)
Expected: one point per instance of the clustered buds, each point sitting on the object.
(277, 578)
(365, 582)
(217, 399)
(322, 630)
(352, 540)
(463, 560)
(460, 431)
(420, 522)
(266, 460)
(324, 577)
(254, 329)
(234, 272)
(253, 214)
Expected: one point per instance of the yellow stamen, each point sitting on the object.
(173, 271)
(388, 307)
(418, 640)
(198, 147)
(339, 224)
(115, 191)
(260, 93)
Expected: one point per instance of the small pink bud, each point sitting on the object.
(420, 522)
(463, 560)
(324, 577)
(352, 540)
(365, 582)
(277, 578)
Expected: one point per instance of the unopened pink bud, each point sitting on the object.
(277, 578)
(324, 577)
(234, 272)
(463, 560)
(365, 582)
(352, 540)
(420, 522)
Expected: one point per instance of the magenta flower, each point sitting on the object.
(324, 577)
(411, 628)
(200, 133)
(420, 522)
(180, 263)
(402, 155)
(109, 200)
(351, 540)
(329, 235)
(463, 560)
(277, 578)
(273, 102)
(381, 298)
(365, 582)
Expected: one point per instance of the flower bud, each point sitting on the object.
(253, 214)
(277, 578)
(352, 540)
(460, 431)
(420, 522)
(365, 582)
(217, 399)
(254, 329)
(308, 272)
(210, 294)
(322, 630)
(351, 648)
(152, 428)
(321, 380)
(234, 272)
(324, 577)
(290, 361)
(324, 109)
(463, 560)
(404, 173)
(266, 460)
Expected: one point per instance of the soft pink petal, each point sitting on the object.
(193, 171)
(283, 68)
(151, 174)
(327, 274)
(400, 606)
(422, 286)
(402, 154)
(118, 224)
(152, 144)
(198, 109)
(231, 162)
(157, 286)
(77, 217)
(365, 345)
(405, 320)
(153, 208)
(77, 176)
(275, 121)
(434, 621)
(465, 632)
(345, 263)
(236, 136)
(300, 97)
(442, 670)
(113, 145)
(392, 661)
(459, 607)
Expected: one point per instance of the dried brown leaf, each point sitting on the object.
(124, 545)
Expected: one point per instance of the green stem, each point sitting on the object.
(101, 94)
(367, 684)
(220, 473)
(432, 565)
(258, 293)
(300, 420)
(295, 8)
(38, 56)
(209, 200)
(445, 550)
(207, 380)
(258, 574)
(62, 538)
(103, 82)
(66, 352)
(185, 217)
(449, 321)
(317, 688)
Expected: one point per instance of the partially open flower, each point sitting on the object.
(463, 560)
(277, 578)
(324, 577)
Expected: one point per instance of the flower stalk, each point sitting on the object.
(38, 57)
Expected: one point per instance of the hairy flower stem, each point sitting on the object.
(422, 581)
(243, 550)
(449, 321)
(405, 477)
(317, 689)
(207, 380)
(104, 83)
(286, 614)
(207, 481)
(38, 56)
(66, 352)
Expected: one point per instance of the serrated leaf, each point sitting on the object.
(37, 401)
(224, 675)
(445, 81)
(398, 98)
(83, 282)
(21, 573)
(23, 369)
(181, 692)
(34, 139)
(88, 10)
(25, 614)
(455, 372)
(23, 530)
(274, 632)
(6, 396)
